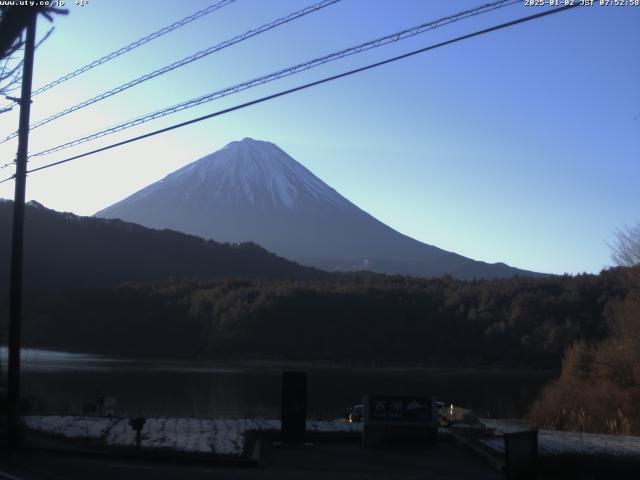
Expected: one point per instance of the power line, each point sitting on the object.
(163, 31)
(394, 37)
(180, 63)
(305, 86)
(133, 45)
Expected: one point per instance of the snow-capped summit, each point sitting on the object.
(254, 172)
(252, 190)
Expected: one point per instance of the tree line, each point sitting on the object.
(351, 318)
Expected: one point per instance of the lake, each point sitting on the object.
(60, 383)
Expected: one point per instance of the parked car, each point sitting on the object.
(355, 414)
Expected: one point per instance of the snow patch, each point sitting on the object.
(562, 443)
(220, 436)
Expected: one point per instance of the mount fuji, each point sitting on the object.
(253, 191)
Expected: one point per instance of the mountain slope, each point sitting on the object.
(253, 191)
(63, 250)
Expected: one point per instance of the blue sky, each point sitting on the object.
(518, 146)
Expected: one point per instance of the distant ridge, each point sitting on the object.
(252, 190)
(63, 250)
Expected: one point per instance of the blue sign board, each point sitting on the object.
(400, 408)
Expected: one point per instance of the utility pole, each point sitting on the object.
(17, 247)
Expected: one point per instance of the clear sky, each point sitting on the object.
(518, 146)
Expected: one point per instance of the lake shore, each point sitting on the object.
(34, 356)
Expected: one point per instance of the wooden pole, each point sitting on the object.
(17, 246)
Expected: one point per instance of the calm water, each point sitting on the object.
(60, 383)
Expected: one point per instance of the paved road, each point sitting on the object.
(335, 461)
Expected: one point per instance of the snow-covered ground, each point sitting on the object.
(226, 436)
(558, 443)
(222, 436)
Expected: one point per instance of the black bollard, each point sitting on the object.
(137, 424)
(100, 401)
(294, 407)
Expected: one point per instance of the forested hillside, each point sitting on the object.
(362, 318)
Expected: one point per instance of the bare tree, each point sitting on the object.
(10, 69)
(13, 20)
(625, 252)
(10, 62)
(626, 247)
